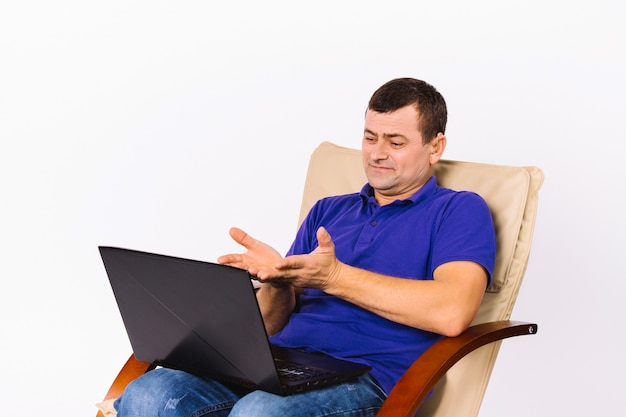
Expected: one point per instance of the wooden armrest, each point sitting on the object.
(422, 376)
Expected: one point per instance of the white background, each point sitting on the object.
(158, 125)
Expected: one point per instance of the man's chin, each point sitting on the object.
(380, 186)
(381, 179)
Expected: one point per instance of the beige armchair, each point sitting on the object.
(458, 368)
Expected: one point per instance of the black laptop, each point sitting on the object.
(203, 318)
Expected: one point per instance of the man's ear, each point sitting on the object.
(437, 146)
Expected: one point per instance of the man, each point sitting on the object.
(375, 277)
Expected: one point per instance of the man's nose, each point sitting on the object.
(379, 150)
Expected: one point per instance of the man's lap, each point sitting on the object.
(165, 392)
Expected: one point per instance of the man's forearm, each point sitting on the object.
(276, 302)
(445, 305)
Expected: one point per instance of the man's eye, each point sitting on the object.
(396, 144)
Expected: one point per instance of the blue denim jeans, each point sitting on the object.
(170, 393)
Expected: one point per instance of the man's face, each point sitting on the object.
(396, 162)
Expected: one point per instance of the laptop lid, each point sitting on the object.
(201, 317)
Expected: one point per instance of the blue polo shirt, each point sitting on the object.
(408, 239)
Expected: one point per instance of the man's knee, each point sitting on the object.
(146, 394)
(174, 393)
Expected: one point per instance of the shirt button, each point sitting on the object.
(373, 223)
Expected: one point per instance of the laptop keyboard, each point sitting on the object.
(298, 372)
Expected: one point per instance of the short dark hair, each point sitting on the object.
(429, 103)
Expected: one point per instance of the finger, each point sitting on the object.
(227, 259)
(290, 262)
(232, 260)
(241, 237)
(238, 266)
(324, 240)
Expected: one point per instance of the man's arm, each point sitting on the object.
(445, 305)
(276, 303)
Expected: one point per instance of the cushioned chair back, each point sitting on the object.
(512, 194)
